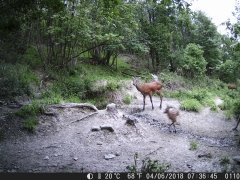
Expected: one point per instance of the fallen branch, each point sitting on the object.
(85, 117)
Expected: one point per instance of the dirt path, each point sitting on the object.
(104, 142)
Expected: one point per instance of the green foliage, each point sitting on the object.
(30, 123)
(113, 85)
(231, 107)
(227, 71)
(154, 166)
(191, 105)
(193, 63)
(224, 160)
(15, 80)
(32, 58)
(33, 109)
(100, 101)
(207, 36)
(193, 146)
(236, 107)
(127, 99)
(133, 168)
(148, 166)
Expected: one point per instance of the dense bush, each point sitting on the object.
(193, 63)
(191, 105)
(227, 71)
(15, 80)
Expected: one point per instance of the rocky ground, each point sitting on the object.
(73, 138)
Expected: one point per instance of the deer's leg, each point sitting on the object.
(174, 128)
(169, 127)
(161, 97)
(151, 101)
(235, 129)
(144, 97)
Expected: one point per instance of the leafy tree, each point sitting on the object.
(208, 38)
(193, 63)
(228, 71)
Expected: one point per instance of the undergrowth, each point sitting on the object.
(198, 93)
(148, 165)
(16, 80)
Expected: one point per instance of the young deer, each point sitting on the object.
(147, 89)
(172, 114)
(232, 86)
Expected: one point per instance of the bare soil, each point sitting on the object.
(104, 142)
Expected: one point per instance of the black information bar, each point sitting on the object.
(127, 176)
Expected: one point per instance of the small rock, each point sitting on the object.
(75, 158)
(99, 143)
(95, 129)
(46, 158)
(189, 166)
(109, 156)
(237, 159)
(106, 127)
(111, 107)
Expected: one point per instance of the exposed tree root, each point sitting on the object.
(74, 105)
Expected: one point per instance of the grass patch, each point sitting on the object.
(193, 146)
(31, 58)
(127, 99)
(191, 105)
(33, 109)
(16, 80)
(224, 160)
(148, 165)
(30, 123)
(154, 166)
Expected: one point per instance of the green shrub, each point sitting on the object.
(228, 71)
(210, 102)
(127, 99)
(32, 58)
(113, 85)
(15, 80)
(191, 105)
(193, 146)
(33, 109)
(224, 160)
(148, 166)
(193, 63)
(154, 166)
(30, 123)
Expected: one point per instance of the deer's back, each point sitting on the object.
(172, 114)
(232, 86)
(151, 87)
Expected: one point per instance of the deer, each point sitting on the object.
(232, 86)
(172, 114)
(148, 89)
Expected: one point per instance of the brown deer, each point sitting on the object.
(148, 89)
(232, 86)
(172, 114)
